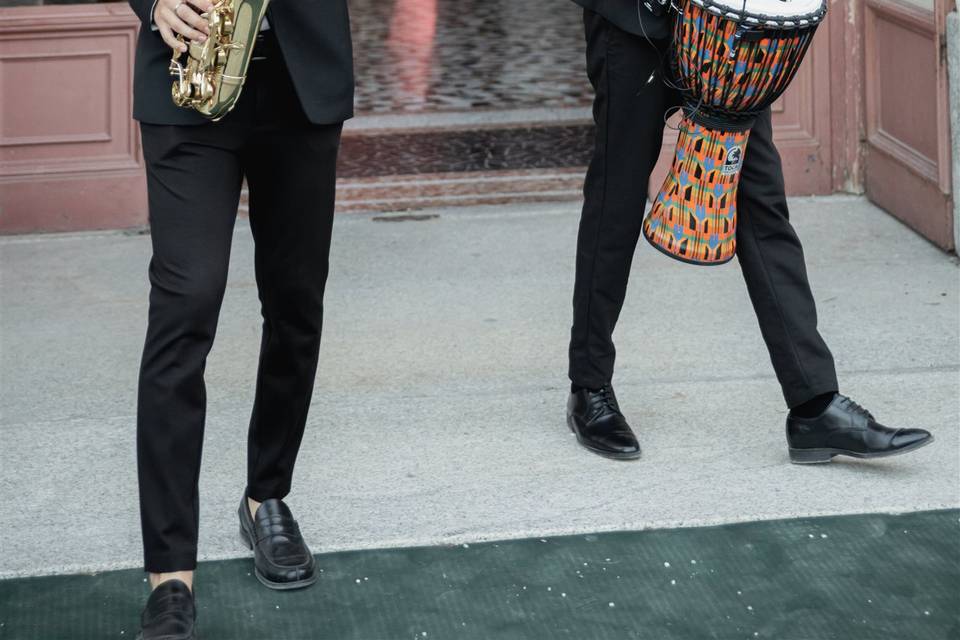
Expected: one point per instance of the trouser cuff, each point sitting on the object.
(261, 493)
(170, 562)
(796, 397)
(587, 379)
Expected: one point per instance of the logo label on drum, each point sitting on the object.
(733, 162)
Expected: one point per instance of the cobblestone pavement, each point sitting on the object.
(437, 55)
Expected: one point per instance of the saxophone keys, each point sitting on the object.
(205, 90)
(226, 25)
(200, 81)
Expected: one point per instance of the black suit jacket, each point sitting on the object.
(624, 14)
(314, 36)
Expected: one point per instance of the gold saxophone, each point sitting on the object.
(211, 78)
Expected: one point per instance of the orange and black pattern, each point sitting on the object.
(694, 216)
(730, 73)
(730, 69)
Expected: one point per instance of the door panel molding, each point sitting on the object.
(920, 164)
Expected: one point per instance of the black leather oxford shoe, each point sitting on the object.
(847, 429)
(281, 558)
(600, 427)
(170, 613)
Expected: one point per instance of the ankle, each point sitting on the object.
(252, 505)
(156, 579)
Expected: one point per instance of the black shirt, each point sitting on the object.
(625, 14)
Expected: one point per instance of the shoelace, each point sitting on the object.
(847, 403)
(604, 400)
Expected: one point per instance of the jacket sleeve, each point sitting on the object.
(144, 10)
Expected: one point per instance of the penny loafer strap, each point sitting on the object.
(275, 525)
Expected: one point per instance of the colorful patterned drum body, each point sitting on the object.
(733, 59)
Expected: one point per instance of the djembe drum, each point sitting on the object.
(733, 59)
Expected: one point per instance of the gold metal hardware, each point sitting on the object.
(211, 77)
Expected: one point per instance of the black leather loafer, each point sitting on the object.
(847, 429)
(170, 613)
(281, 558)
(594, 416)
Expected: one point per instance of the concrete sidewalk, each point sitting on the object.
(448, 337)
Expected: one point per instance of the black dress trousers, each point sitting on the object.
(194, 175)
(632, 97)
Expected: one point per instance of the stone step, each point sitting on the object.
(415, 161)
(426, 191)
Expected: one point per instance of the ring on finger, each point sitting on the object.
(176, 8)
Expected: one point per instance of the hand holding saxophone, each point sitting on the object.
(182, 17)
(210, 77)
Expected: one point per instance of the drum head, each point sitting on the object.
(770, 13)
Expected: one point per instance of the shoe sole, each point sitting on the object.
(600, 452)
(822, 456)
(270, 584)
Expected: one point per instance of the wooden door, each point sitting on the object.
(907, 147)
